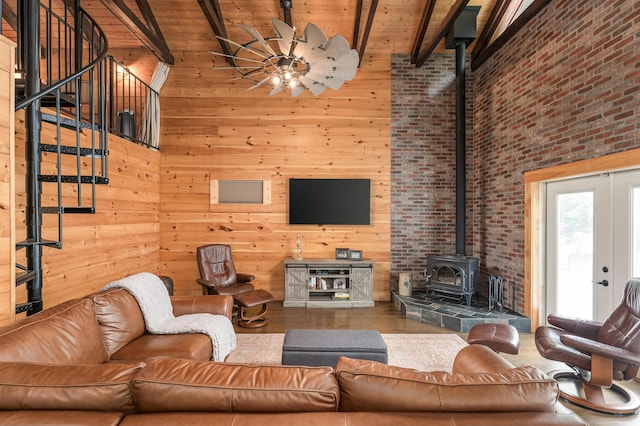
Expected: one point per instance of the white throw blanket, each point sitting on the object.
(153, 298)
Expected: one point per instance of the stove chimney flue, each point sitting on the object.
(460, 35)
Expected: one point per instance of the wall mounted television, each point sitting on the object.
(329, 201)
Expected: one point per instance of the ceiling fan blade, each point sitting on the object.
(256, 35)
(314, 87)
(260, 83)
(236, 58)
(276, 89)
(336, 46)
(285, 35)
(297, 91)
(343, 68)
(312, 38)
(325, 80)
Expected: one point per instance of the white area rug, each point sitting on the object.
(424, 352)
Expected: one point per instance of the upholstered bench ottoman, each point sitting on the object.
(499, 337)
(324, 347)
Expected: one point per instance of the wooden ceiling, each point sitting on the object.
(383, 26)
(416, 27)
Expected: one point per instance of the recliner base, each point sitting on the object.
(571, 383)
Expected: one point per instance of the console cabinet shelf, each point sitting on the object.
(322, 283)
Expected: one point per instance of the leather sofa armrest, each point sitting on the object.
(479, 359)
(244, 278)
(593, 347)
(214, 304)
(587, 329)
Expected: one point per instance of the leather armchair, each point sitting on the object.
(598, 353)
(217, 272)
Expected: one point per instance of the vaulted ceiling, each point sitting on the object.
(416, 27)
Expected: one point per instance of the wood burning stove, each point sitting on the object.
(457, 275)
(454, 276)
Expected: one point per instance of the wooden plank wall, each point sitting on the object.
(216, 129)
(122, 238)
(7, 188)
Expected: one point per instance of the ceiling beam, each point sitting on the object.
(496, 17)
(448, 22)
(356, 25)
(213, 13)
(152, 38)
(367, 28)
(422, 30)
(10, 16)
(484, 54)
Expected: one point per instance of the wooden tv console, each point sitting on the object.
(326, 283)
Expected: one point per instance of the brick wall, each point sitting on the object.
(423, 176)
(565, 88)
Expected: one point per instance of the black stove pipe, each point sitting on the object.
(461, 160)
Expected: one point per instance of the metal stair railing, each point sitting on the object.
(73, 97)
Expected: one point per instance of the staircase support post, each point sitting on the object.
(33, 214)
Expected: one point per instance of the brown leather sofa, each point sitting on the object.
(90, 361)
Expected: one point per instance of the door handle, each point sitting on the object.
(603, 283)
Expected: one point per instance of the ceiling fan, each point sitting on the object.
(292, 62)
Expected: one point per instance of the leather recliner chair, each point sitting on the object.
(598, 353)
(218, 274)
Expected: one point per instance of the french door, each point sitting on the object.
(592, 243)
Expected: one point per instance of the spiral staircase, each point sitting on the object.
(61, 79)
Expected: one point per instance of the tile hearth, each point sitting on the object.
(455, 315)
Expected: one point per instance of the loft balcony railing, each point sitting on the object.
(127, 102)
(109, 94)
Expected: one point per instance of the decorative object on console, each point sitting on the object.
(312, 61)
(342, 253)
(298, 247)
(355, 254)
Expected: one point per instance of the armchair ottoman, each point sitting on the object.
(249, 300)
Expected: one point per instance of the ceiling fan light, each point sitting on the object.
(313, 62)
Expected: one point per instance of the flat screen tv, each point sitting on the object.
(329, 201)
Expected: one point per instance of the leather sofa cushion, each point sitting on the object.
(195, 346)
(372, 386)
(353, 419)
(69, 334)
(100, 387)
(119, 317)
(181, 385)
(60, 417)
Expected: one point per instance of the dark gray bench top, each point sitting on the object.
(300, 340)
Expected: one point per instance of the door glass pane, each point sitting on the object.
(635, 226)
(575, 254)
